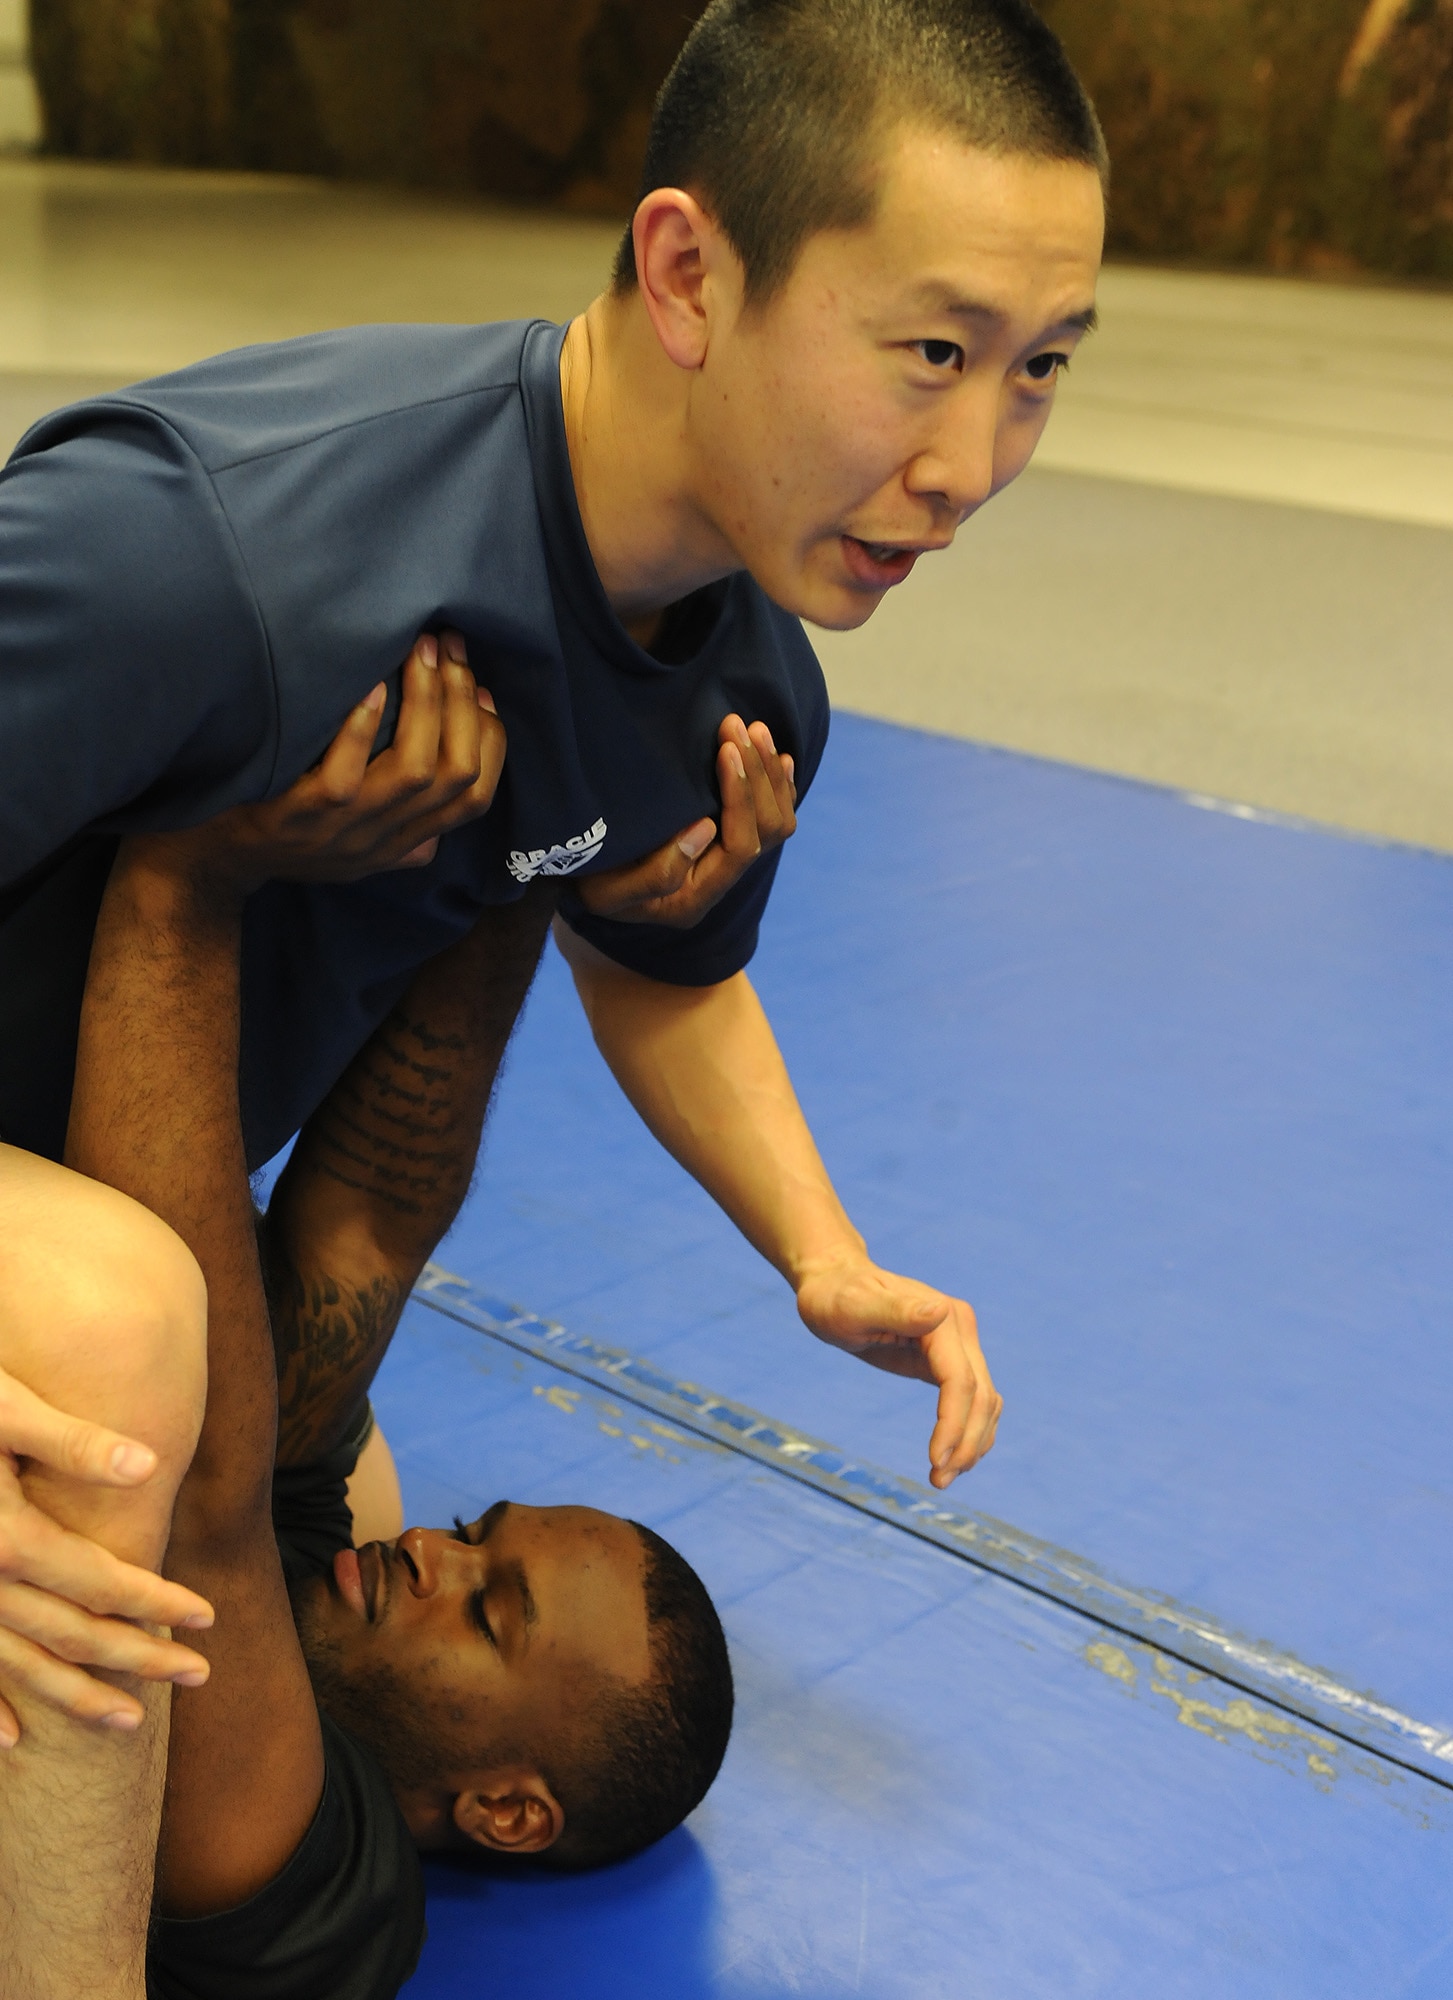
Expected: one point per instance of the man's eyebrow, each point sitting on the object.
(515, 1573)
(933, 292)
(946, 299)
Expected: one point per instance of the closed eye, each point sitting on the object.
(479, 1616)
(476, 1609)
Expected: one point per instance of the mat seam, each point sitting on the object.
(514, 1331)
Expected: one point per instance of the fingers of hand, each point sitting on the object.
(758, 797)
(345, 762)
(969, 1406)
(34, 1550)
(30, 1669)
(741, 838)
(625, 891)
(409, 763)
(681, 881)
(87, 1451)
(772, 791)
(424, 789)
(906, 1328)
(86, 1640)
(490, 745)
(460, 735)
(455, 798)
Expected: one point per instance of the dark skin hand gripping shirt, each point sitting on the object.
(199, 577)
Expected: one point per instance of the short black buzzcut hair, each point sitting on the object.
(774, 112)
(657, 1749)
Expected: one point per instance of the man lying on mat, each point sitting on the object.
(544, 1682)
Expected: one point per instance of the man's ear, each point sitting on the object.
(512, 1811)
(683, 259)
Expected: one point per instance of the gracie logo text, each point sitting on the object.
(579, 849)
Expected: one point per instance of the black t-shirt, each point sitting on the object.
(345, 1918)
(200, 576)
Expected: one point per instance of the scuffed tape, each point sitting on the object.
(1176, 1629)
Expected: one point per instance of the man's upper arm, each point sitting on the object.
(245, 1766)
(134, 680)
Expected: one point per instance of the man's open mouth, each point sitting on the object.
(878, 564)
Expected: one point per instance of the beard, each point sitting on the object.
(376, 1705)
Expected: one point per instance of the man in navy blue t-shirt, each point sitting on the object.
(867, 244)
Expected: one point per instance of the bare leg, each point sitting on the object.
(103, 1313)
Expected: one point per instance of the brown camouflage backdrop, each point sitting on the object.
(1295, 134)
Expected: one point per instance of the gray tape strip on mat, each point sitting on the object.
(1174, 1628)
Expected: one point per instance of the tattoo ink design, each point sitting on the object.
(381, 1168)
(328, 1334)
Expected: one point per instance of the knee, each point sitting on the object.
(106, 1318)
(157, 1332)
(149, 1370)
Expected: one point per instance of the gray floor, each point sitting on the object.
(1294, 659)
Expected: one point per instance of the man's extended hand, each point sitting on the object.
(681, 881)
(909, 1329)
(64, 1601)
(349, 817)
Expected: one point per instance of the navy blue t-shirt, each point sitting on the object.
(199, 577)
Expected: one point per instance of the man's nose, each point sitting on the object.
(957, 468)
(422, 1555)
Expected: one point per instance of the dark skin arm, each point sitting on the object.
(156, 1113)
(379, 1171)
(246, 1763)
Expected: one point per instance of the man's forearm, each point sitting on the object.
(380, 1170)
(702, 1067)
(155, 1113)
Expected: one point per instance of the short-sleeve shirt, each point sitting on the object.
(199, 577)
(344, 1920)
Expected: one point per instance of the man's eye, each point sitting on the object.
(941, 353)
(479, 1616)
(1042, 366)
(461, 1532)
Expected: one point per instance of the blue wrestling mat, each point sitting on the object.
(1158, 1700)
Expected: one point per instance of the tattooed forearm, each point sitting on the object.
(330, 1336)
(402, 1125)
(381, 1168)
